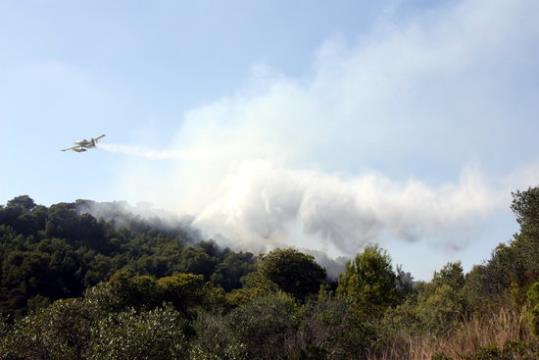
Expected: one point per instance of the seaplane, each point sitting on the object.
(85, 145)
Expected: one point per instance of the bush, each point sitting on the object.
(152, 335)
(520, 350)
(264, 324)
(333, 326)
(488, 353)
(215, 340)
(60, 331)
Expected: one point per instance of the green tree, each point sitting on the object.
(128, 290)
(294, 272)
(514, 266)
(184, 291)
(232, 268)
(451, 274)
(440, 310)
(369, 281)
(434, 307)
(525, 205)
(332, 329)
(197, 261)
(264, 324)
(24, 201)
(124, 290)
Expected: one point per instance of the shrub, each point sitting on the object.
(264, 324)
(152, 335)
(488, 353)
(60, 331)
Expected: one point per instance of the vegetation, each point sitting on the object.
(75, 286)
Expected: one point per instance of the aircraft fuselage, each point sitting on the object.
(83, 145)
(86, 143)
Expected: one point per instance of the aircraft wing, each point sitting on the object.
(99, 137)
(73, 148)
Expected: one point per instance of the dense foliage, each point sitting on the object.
(114, 285)
(53, 253)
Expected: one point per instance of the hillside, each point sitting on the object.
(86, 280)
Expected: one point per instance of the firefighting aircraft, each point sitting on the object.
(84, 145)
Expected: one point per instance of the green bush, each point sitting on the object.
(215, 339)
(488, 353)
(152, 335)
(264, 324)
(336, 327)
(520, 350)
(60, 331)
(533, 301)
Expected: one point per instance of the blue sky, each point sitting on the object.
(324, 125)
(74, 69)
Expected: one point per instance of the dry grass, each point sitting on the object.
(496, 329)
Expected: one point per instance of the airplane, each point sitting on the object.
(84, 145)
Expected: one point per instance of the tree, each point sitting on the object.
(24, 201)
(184, 291)
(514, 266)
(476, 290)
(232, 268)
(264, 324)
(434, 307)
(195, 260)
(332, 329)
(127, 290)
(525, 205)
(153, 335)
(526, 244)
(451, 274)
(294, 272)
(438, 311)
(369, 281)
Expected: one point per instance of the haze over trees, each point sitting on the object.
(73, 286)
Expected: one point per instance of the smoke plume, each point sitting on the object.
(152, 154)
(287, 160)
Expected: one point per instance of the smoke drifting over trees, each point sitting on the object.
(290, 159)
(123, 284)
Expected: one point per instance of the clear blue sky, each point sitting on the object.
(387, 107)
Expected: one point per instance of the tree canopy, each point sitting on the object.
(294, 272)
(78, 286)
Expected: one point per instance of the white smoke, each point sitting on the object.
(261, 203)
(152, 154)
(283, 161)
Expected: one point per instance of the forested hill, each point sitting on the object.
(58, 252)
(119, 286)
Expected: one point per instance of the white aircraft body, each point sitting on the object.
(84, 145)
